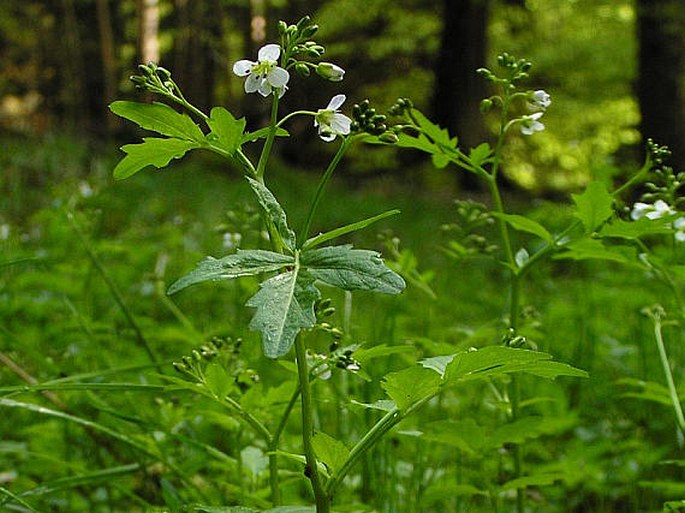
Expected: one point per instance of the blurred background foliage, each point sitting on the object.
(62, 62)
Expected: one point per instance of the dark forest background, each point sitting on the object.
(615, 68)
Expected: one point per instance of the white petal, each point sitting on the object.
(336, 102)
(243, 67)
(679, 224)
(639, 210)
(535, 116)
(326, 136)
(278, 77)
(264, 88)
(281, 91)
(269, 53)
(252, 83)
(341, 124)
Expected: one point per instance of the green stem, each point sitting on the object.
(323, 502)
(322, 185)
(268, 144)
(675, 400)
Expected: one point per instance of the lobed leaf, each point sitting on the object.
(632, 230)
(593, 249)
(152, 152)
(242, 263)
(227, 132)
(411, 385)
(330, 451)
(160, 118)
(285, 305)
(352, 269)
(594, 205)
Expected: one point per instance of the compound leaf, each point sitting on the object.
(152, 152)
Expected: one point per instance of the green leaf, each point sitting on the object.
(292, 509)
(352, 269)
(594, 205)
(534, 480)
(344, 230)
(586, 249)
(243, 263)
(221, 509)
(227, 132)
(152, 152)
(438, 134)
(218, 380)
(275, 213)
(411, 385)
(160, 118)
(285, 305)
(632, 230)
(330, 451)
(261, 134)
(523, 224)
(498, 360)
(480, 154)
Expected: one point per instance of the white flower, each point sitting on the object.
(679, 225)
(530, 124)
(659, 209)
(330, 121)
(263, 76)
(540, 100)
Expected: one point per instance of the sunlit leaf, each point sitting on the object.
(152, 152)
(159, 117)
(226, 131)
(480, 154)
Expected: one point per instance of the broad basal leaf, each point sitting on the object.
(275, 212)
(285, 305)
(160, 118)
(352, 269)
(594, 205)
(227, 132)
(243, 263)
(152, 152)
(411, 385)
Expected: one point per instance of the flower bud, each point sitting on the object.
(302, 69)
(388, 137)
(330, 71)
(309, 31)
(486, 105)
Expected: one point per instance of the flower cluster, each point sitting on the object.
(539, 101)
(657, 210)
(269, 74)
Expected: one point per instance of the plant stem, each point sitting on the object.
(322, 185)
(268, 144)
(323, 502)
(677, 408)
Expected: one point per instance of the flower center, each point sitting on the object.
(325, 116)
(263, 67)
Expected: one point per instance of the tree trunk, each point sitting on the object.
(109, 65)
(660, 89)
(458, 90)
(148, 35)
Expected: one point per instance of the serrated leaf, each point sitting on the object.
(594, 205)
(411, 385)
(285, 305)
(275, 212)
(330, 451)
(218, 381)
(242, 263)
(498, 360)
(160, 118)
(344, 230)
(632, 230)
(480, 154)
(227, 132)
(524, 224)
(438, 134)
(152, 152)
(437, 363)
(352, 269)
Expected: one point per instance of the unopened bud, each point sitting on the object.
(388, 137)
(302, 69)
(330, 71)
(486, 105)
